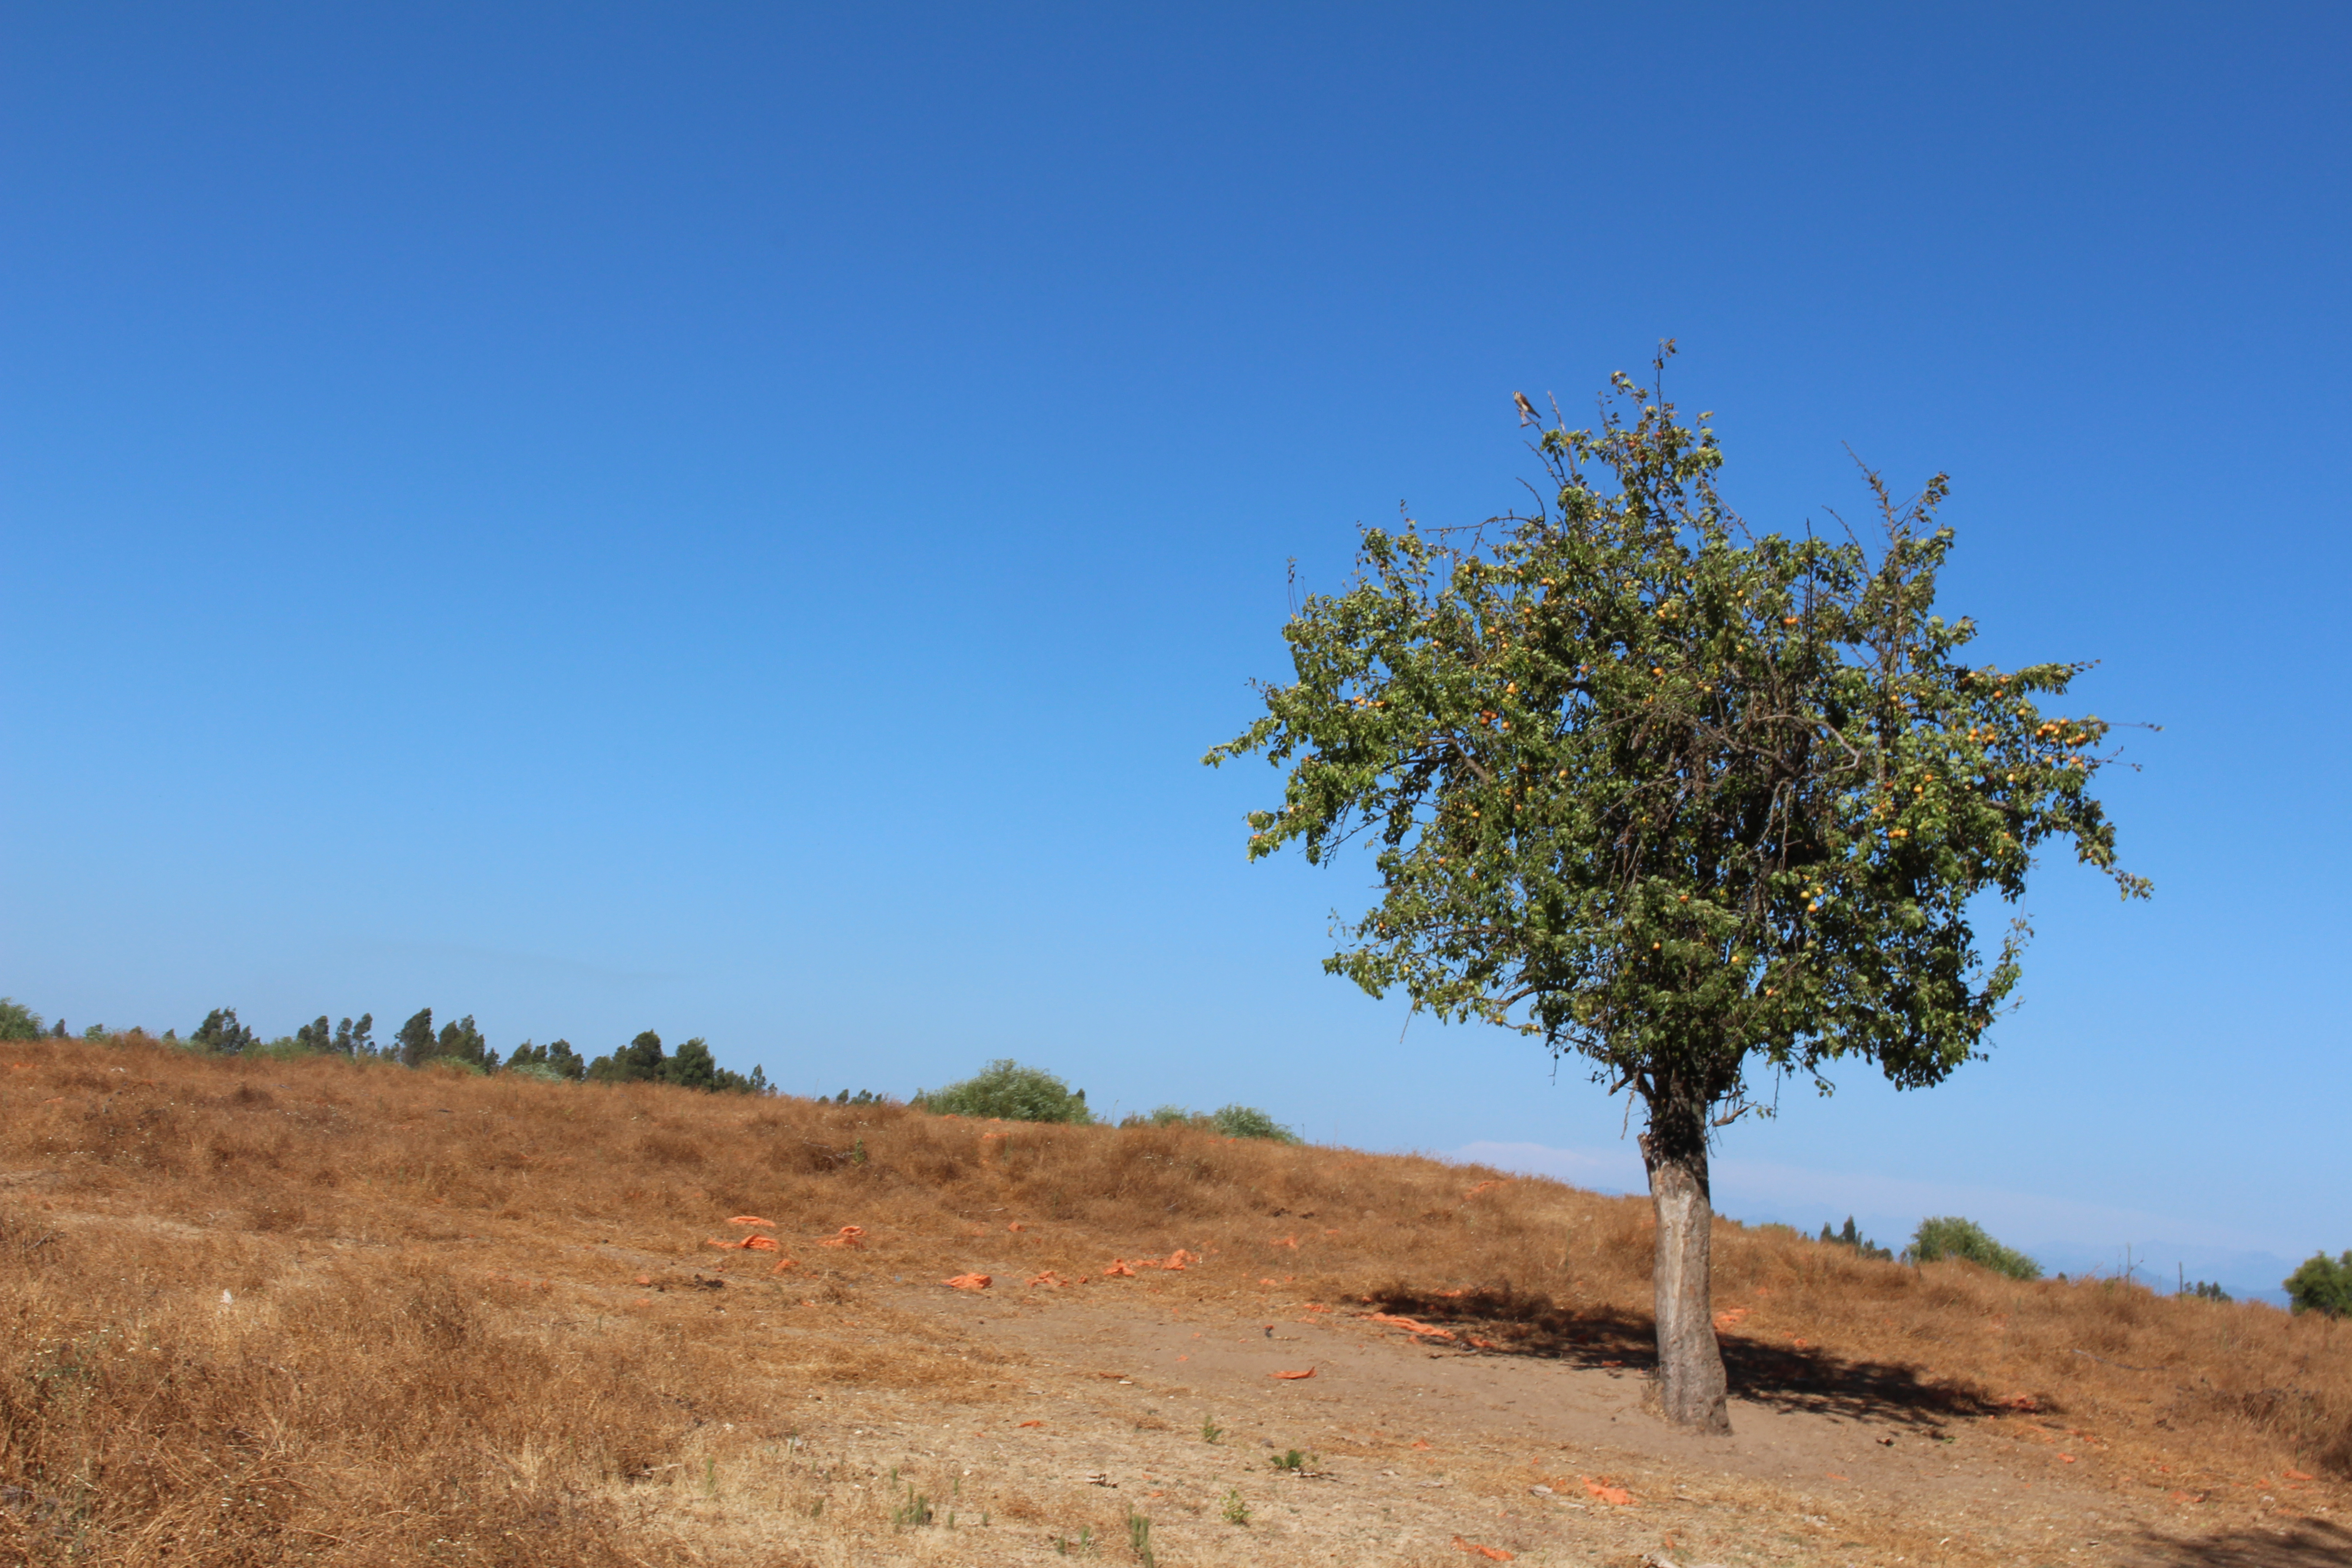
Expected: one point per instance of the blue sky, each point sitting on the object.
(743, 523)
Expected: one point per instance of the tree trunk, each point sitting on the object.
(1691, 1383)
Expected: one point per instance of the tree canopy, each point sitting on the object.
(1681, 798)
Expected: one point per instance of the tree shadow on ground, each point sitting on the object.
(2307, 1544)
(1501, 1321)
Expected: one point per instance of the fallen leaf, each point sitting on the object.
(1292, 1376)
(970, 1282)
(1491, 1553)
(1409, 1325)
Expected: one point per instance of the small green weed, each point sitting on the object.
(915, 1509)
(1139, 1538)
(1084, 1546)
(1292, 1460)
(1211, 1433)
(1237, 1509)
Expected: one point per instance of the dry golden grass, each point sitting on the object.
(434, 1345)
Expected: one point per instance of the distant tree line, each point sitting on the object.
(416, 1044)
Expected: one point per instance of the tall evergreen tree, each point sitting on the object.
(414, 1044)
(221, 1032)
(693, 1067)
(461, 1041)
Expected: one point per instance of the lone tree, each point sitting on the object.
(1689, 801)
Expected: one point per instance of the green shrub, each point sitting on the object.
(1249, 1121)
(2322, 1285)
(1005, 1088)
(18, 1022)
(1232, 1121)
(1952, 1237)
(2206, 1290)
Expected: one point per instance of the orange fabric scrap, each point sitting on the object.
(1292, 1376)
(1394, 1321)
(784, 1263)
(1726, 1319)
(1289, 1241)
(970, 1282)
(2296, 1476)
(1016, 1225)
(1420, 1443)
(1481, 1187)
(851, 1235)
(1179, 1258)
(1484, 1344)
(753, 1243)
(1491, 1553)
(1118, 1270)
(1031, 1423)
(1616, 1496)
(752, 1219)
(644, 1279)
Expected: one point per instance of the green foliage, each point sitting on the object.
(1232, 1121)
(693, 1067)
(18, 1022)
(221, 1032)
(356, 1039)
(461, 1041)
(1670, 794)
(414, 1044)
(318, 1034)
(1290, 1459)
(640, 1061)
(863, 1096)
(1139, 1538)
(1237, 1509)
(1952, 1237)
(2322, 1285)
(1005, 1088)
(1851, 1237)
(1248, 1121)
(1211, 1432)
(556, 1061)
(2206, 1290)
(729, 1081)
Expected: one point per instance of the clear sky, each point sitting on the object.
(743, 521)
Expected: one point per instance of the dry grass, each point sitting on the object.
(434, 1345)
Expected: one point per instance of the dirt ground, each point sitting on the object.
(1160, 1399)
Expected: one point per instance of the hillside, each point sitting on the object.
(318, 1310)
